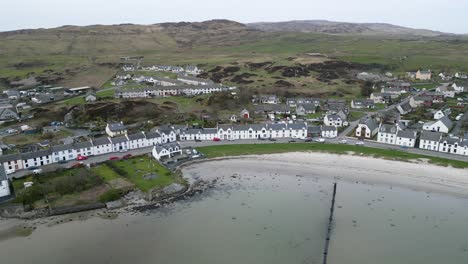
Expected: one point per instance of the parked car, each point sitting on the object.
(360, 143)
(216, 139)
(343, 141)
(308, 140)
(197, 140)
(196, 156)
(81, 158)
(292, 141)
(62, 161)
(127, 156)
(320, 140)
(37, 171)
(113, 158)
(459, 117)
(272, 139)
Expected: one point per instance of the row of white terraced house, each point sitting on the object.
(254, 131)
(98, 146)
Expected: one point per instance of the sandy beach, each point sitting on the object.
(417, 176)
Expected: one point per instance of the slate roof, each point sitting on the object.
(314, 129)
(115, 127)
(369, 122)
(117, 140)
(139, 135)
(101, 141)
(407, 134)
(58, 148)
(3, 176)
(153, 135)
(82, 145)
(36, 154)
(390, 129)
(10, 157)
(446, 121)
(329, 128)
(431, 136)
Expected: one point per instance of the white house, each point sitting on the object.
(449, 145)
(167, 134)
(305, 109)
(4, 184)
(329, 131)
(444, 111)
(116, 129)
(367, 128)
(443, 125)
(387, 134)
(37, 159)
(153, 138)
(446, 90)
(136, 141)
(167, 150)
(62, 153)
(406, 138)
(333, 120)
(430, 140)
(463, 148)
(12, 162)
(119, 144)
(91, 97)
(458, 89)
(84, 148)
(102, 145)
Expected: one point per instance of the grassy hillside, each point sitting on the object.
(90, 55)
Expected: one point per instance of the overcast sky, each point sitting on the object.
(447, 15)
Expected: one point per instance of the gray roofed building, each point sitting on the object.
(431, 136)
(101, 141)
(82, 145)
(58, 148)
(137, 136)
(117, 140)
(407, 134)
(446, 121)
(209, 131)
(314, 130)
(36, 154)
(369, 122)
(390, 129)
(116, 127)
(297, 126)
(329, 128)
(10, 157)
(154, 134)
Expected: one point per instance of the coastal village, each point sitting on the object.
(422, 113)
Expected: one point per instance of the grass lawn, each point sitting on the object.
(106, 93)
(106, 173)
(77, 100)
(355, 115)
(255, 149)
(136, 168)
(24, 139)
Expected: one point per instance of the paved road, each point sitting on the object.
(458, 124)
(187, 144)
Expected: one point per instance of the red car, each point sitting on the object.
(127, 156)
(216, 139)
(82, 158)
(114, 158)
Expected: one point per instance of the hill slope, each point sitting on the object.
(330, 27)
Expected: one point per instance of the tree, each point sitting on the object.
(367, 89)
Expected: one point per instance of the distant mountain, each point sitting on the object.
(331, 27)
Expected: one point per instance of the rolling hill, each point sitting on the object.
(331, 27)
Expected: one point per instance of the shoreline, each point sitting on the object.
(420, 176)
(416, 176)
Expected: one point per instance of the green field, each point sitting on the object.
(93, 58)
(137, 168)
(256, 149)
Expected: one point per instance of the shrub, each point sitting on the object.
(111, 195)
